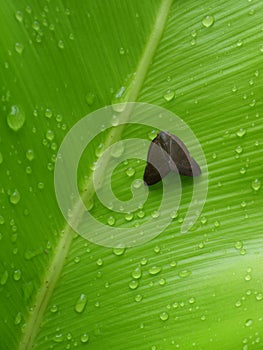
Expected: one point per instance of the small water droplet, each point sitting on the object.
(137, 183)
(239, 149)
(30, 154)
(162, 282)
(118, 251)
(248, 323)
(4, 278)
(117, 149)
(138, 298)
(169, 95)
(111, 220)
(242, 171)
(208, 21)
(137, 273)
(256, 184)
(239, 245)
(128, 216)
(81, 303)
(58, 338)
(157, 249)
(19, 48)
(259, 296)
(84, 338)
(99, 262)
(191, 300)
(133, 284)
(48, 113)
(184, 273)
(99, 150)
(234, 88)
(50, 135)
(155, 214)
(122, 51)
(19, 16)
(143, 261)
(152, 134)
(36, 25)
(17, 275)
(154, 270)
(40, 185)
(203, 220)
(61, 44)
(239, 43)
(15, 197)
(18, 318)
(241, 132)
(164, 316)
(130, 171)
(16, 118)
(114, 120)
(54, 308)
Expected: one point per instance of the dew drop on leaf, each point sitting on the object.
(164, 316)
(19, 16)
(118, 251)
(4, 278)
(133, 284)
(81, 303)
(84, 338)
(18, 318)
(17, 275)
(154, 270)
(184, 273)
(19, 48)
(169, 95)
(1, 158)
(16, 118)
(30, 154)
(208, 21)
(137, 273)
(256, 184)
(14, 197)
(90, 98)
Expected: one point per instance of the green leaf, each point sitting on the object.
(61, 61)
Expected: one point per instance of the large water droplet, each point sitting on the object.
(15, 197)
(84, 338)
(164, 316)
(208, 21)
(169, 95)
(256, 184)
(16, 118)
(81, 303)
(154, 270)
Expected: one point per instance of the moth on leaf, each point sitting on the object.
(168, 153)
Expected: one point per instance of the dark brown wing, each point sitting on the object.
(181, 160)
(157, 163)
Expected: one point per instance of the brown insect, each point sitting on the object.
(168, 153)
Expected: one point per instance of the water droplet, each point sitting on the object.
(169, 95)
(14, 197)
(118, 251)
(1, 158)
(90, 98)
(19, 48)
(157, 249)
(152, 134)
(248, 323)
(143, 261)
(234, 88)
(40, 185)
(48, 113)
(81, 303)
(133, 284)
(141, 214)
(114, 120)
(19, 16)
(54, 308)
(137, 273)
(17, 275)
(99, 262)
(174, 214)
(154, 270)
(4, 278)
(16, 118)
(77, 259)
(242, 171)
(99, 150)
(162, 282)
(238, 303)
(203, 220)
(208, 21)
(18, 318)
(256, 184)
(164, 316)
(36, 25)
(239, 245)
(84, 338)
(130, 171)
(184, 273)
(239, 43)
(173, 263)
(50, 135)
(259, 296)
(30, 154)
(122, 51)
(191, 300)
(239, 149)
(117, 149)
(138, 298)
(128, 216)
(137, 183)
(61, 44)
(111, 220)
(203, 318)
(241, 132)
(155, 214)
(58, 338)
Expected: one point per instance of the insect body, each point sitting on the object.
(168, 153)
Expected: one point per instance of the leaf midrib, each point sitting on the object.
(63, 246)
